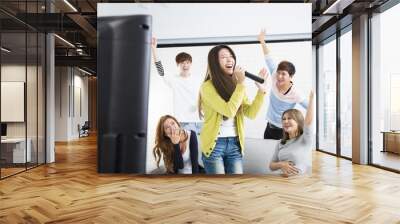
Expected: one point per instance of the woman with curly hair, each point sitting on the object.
(178, 147)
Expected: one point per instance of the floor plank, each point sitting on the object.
(71, 191)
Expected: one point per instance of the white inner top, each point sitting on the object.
(227, 128)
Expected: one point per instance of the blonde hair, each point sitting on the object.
(299, 118)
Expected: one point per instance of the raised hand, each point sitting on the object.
(261, 36)
(263, 74)
(311, 96)
(310, 109)
(153, 42)
(261, 39)
(238, 74)
(174, 135)
(154, 48)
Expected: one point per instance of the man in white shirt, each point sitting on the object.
(185, 89)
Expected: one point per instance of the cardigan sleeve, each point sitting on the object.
(178, 159)
(194, 152)
(229, 109)
(251, 109)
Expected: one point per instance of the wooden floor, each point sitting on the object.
(10, 171)
(387, 159)
(71, 191)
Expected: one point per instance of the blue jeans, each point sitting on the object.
(225, 158)
(194, 126)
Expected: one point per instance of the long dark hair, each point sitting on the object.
(224, 84)
(299, 118)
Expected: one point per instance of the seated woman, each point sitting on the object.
(290, 153)
(177, 147)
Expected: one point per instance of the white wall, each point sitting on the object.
(70, 83)
(33, 125)
(80, 110)
(12, 100)
(61, 103)
(199, 20)
(12, 73)
(17, 73)
(50, 95)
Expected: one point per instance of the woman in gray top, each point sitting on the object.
(290, 153)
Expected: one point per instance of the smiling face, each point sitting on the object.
(184, 67)
(226, 61)
(169, 125)
(220, 65)
(292, 124)
(289, 124)
(283, 78)
(284, 74)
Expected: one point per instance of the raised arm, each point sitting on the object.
(268, 59)
(261, 39)
(157, 62)
(310, 110)
(154, 48)
(251, 109)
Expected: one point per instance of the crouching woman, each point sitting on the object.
(178, 147)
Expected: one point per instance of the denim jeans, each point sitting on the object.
(225, 158)
(194, 126)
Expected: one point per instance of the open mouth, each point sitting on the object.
(229, 67)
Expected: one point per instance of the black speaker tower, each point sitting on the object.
(123, 72)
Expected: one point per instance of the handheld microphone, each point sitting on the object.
(254, 77)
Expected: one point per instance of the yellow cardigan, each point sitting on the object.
(215, 107)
